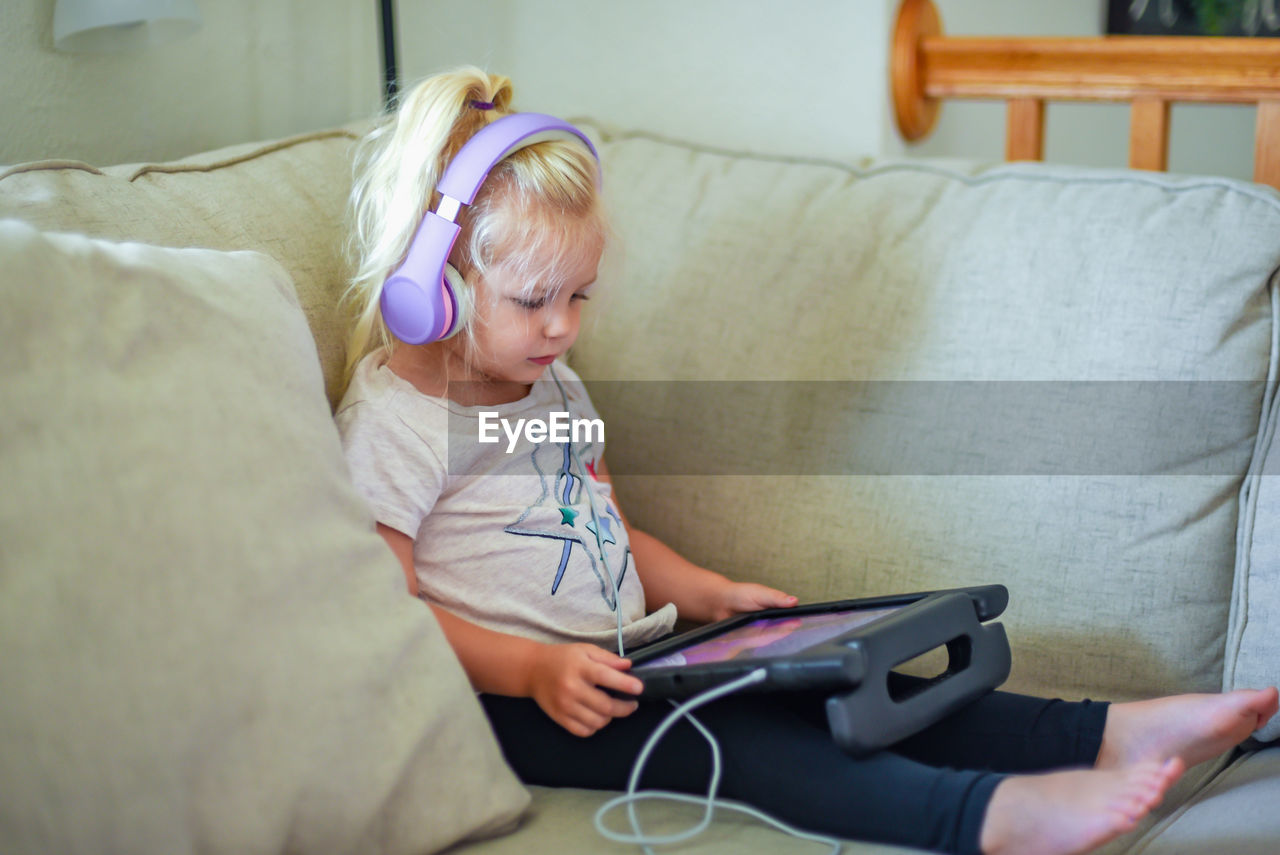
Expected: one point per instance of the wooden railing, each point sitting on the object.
(1150, 72)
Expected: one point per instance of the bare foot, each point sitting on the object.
(1194, 728)
(1061, 813)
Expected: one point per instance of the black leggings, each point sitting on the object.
(929, 791)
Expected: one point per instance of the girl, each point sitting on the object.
(518, 561)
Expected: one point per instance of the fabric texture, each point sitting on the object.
(911, 373)
(285, 198)
(198, 657)
(504, 532)
(1253, 644)
(560, 823)
(1233, 813)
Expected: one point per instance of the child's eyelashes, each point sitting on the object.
(533, 304)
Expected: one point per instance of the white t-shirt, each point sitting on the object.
(503, 538)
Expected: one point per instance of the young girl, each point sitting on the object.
(518, 562)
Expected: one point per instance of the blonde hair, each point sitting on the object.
(524, 219)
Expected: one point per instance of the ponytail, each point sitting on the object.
(398, 165)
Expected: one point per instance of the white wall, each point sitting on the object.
(762, 75)
(256, 69)
(806, 77)
(803, 77)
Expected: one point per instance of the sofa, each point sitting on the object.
(842, 379)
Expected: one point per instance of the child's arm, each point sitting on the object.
(700, 594)
(566, 680)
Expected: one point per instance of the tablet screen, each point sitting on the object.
(769, 638)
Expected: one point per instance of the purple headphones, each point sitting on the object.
(419, 298)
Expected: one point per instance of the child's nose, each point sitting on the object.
(559, 322)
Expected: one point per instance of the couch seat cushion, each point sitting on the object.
(561, 822)
(1235, 813)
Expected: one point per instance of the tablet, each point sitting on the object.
(790, 633)
(847, 648)
(815, 646)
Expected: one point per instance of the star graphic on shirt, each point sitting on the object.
(605, 531)
(567, 490)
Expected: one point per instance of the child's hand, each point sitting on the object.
(739, 597)
(568, 682)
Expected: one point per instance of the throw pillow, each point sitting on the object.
(207, 648)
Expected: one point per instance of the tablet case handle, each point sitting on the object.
(871, 717)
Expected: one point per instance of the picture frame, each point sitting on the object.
(1248, 18)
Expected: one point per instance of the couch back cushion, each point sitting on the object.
(916, 375)
(285, 198)
(931, 375)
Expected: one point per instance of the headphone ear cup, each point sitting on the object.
(463, 301)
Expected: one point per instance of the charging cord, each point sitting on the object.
(633, 795)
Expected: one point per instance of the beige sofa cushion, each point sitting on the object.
(1235, 812)
(808, 304)
(1253, 636)
(206, 646)
(560, 823)
(285, 198)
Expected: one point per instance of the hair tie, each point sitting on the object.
(482, 105)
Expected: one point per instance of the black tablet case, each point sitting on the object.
(865, 714)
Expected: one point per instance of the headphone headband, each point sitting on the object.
(418, 300)
(496, 141)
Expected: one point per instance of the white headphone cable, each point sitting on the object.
(595, 518)
(683, 710)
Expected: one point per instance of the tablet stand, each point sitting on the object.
(873, 715)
